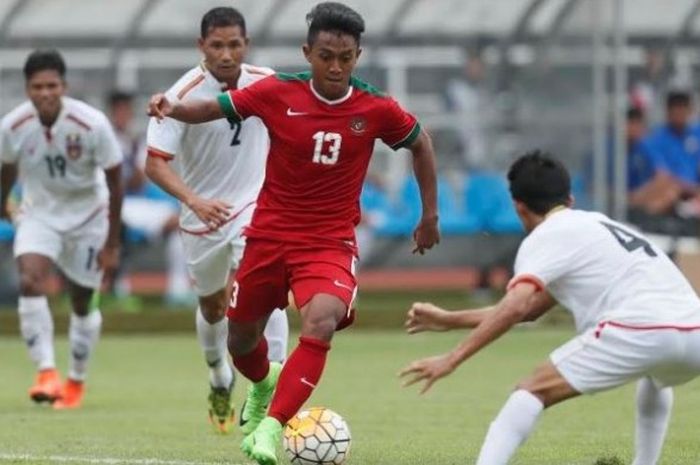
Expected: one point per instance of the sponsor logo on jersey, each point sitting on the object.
(358, 125)
(74, 146)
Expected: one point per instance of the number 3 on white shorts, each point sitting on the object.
(234, 295)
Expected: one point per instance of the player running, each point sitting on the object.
(69, 164)
(323, 126)
(636, 315)
(219, 171)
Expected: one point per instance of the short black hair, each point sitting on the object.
(117, 96)
(222, 16)
(677, 98)
(334, 17)
(42, 60)
(539, 181)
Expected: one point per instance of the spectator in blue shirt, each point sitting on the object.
(677, 142)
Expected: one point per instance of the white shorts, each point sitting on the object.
(74, 252)
(147, 215)
(211, 256)
(610, 356)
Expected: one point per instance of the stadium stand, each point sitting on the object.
(537, 57)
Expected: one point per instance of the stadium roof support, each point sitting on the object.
(125, 39)
(518, 32)
(265, 30)
(13, 11)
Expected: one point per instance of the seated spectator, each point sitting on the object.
(147, 211)
(651, 187)
(664, 189)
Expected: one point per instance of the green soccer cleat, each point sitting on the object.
(261, 445)
(259, 395)
(221, 411)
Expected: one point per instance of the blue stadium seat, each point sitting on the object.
(151, 191)
(403, 217)
(486, 195)
(7, 231)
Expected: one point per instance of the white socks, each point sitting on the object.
(83, 334)
(277, 334)
(511, 427)
(653, 413)
(36, 326)
(212, 339)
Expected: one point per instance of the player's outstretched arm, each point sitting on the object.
(424, 316)
(8, 176)
(512, 309)
(426, 234)
(191, 112)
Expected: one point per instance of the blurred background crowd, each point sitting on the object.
(609, 86)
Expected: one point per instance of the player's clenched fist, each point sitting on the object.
(425, 316)
(159, 106)
(426, 235)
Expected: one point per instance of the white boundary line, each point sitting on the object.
(100, 460)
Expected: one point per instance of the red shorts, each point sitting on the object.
(270, 269)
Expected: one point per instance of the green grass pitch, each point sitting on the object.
(146, 405)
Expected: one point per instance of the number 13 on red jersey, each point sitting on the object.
(329, 157)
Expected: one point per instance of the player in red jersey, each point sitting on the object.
(323, 126)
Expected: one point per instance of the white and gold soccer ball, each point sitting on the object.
(317, 436)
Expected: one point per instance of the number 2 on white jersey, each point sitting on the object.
(327, 158)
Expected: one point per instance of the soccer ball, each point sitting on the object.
(317, 436)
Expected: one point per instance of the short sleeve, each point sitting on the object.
(542, 259)
(400, 128)
(109, 152)
(249, 101)
(164, 138)
(8, 154)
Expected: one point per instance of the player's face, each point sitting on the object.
(679, 115)
(333, 57)
(122, 115)
(45, 89)
(224, 49)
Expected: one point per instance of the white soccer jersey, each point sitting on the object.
(600, 270)
(61, 169)
(219, 159)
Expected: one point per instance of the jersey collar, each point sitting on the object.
(221, 86)
(555, 210)
(325, 100)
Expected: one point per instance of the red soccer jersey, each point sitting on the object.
(319, 153)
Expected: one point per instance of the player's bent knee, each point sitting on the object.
(241, 340)
(31, 284)
(213, 313)
(320, 317)
(549, 391)
(319, 326)
(213, 307)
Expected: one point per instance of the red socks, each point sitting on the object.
(255, 364)
(299, 377)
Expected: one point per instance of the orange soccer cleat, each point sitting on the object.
(47, 387)
(71, 395)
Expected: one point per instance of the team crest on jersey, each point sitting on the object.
(74, 146)
(358, 125)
